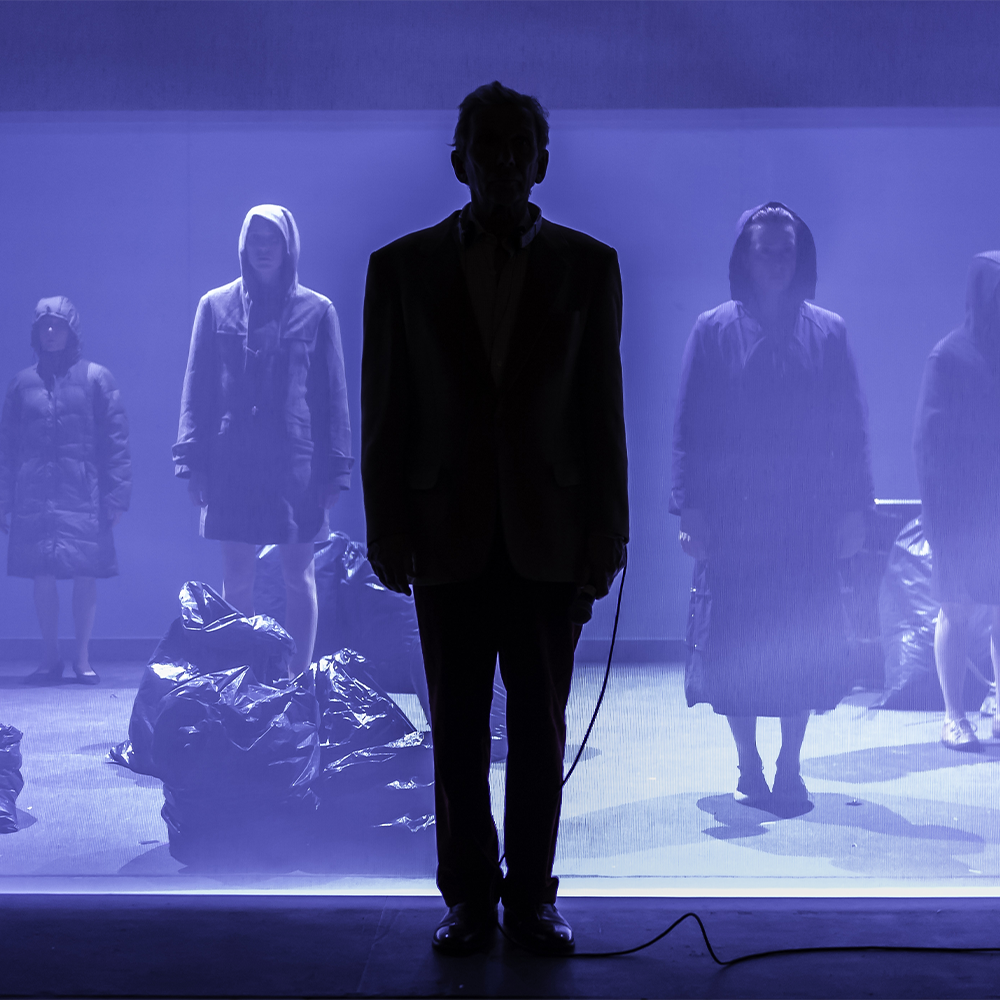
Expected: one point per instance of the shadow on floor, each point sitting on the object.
(866, 837)
(887, 763)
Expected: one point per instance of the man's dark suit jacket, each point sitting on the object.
(443, 445)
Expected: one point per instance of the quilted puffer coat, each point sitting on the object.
(64, 462)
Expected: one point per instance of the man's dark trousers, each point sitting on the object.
(464, 627)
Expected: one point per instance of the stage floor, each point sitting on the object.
(648, 812)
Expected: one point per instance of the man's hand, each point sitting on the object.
(605, 557)
(196, 490)
(850, 534)
(392, 560)
(114, 516)
(329, 495)
(694, 534)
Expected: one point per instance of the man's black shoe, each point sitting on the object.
(465, 929)
(539, 928)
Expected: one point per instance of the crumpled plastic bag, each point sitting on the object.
(242, 759)
(236, 754)
(357, 613)
(11, 781)
(907, 615)
(355, 610)
(376, 781)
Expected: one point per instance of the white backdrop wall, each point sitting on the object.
(135, 216)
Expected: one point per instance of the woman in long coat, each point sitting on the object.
(65, 479)
(957, 446)
(770, 478)
(264, 438)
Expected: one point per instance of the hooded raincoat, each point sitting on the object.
(64, 460)
(770, 443)
(264, 420)
(957, 446)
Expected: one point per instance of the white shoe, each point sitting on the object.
(960, 734)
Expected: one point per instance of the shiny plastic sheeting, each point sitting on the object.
(376, 785)
(355, 610)
(907, 614)
(241, 759)
(11, 781)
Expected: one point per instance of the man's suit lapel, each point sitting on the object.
(544, 278)
(446, 286)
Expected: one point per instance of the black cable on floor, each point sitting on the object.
(779, 951)
(604, 684)
(607, 671)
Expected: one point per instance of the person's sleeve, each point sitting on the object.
(9, 446)
(190, 450)
(384, 395)
(606, 451)
(689, 449)
(851, 452)
(114, 465)
(332, 419)
(937, 447)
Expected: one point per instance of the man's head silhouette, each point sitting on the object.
(500, 153)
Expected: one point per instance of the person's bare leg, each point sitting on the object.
(793, 732)
(950, 651)
(47, 609)
(239, 564)
(299, 571)
(84, 609)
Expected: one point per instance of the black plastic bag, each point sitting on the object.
(376, 783)
(236, 754)
(11, 781)
(907, 614)
(241, 759)
(355, 610)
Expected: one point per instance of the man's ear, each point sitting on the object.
(458, 164)
(543, 166)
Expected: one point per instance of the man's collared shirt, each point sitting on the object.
(494, 275)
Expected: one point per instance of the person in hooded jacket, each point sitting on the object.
(770, 479)
(65, 480)
(957, 450)
(264, 438)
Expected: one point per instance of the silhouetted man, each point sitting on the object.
(495, 479)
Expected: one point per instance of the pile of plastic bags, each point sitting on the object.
(11, 781)
(908, 614)
(263, 772)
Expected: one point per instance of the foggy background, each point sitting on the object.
(134, 215)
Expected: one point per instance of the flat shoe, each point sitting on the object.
(540, 929)
(465, 929)
(90, 677)
(752, 790)
(45, 675)
(790, 788)
(959, 734)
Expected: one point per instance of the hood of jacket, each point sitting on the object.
(803, 283)
(982, 309)
(60, 307)
(285, 222)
